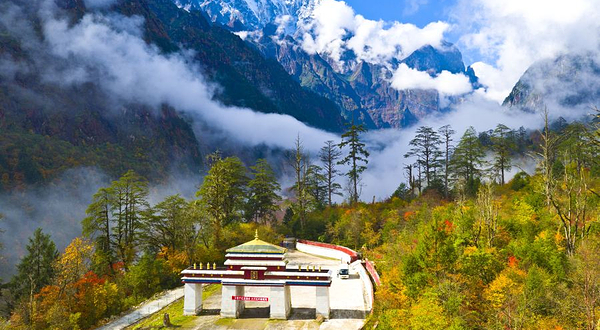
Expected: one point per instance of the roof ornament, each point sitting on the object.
(256, 234)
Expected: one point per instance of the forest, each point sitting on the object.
(458, 245)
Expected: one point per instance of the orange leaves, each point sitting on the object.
(408, 215)
(176, 260)
(513, 262)
(448, 226)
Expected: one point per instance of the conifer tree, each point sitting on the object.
(425, 146)
(36, 268)
(467, 160)
(262, 193)
(316, 184)
(300, 164)
(357, 158)
(130, 195)
(169, 224)
(329, 155)
(98, 224)
(223, 192)
(446, 133)
(502, 146)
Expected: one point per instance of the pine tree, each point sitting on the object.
(169, 224)
(129, 203)
(36, 268)
(467, 160)
(502, 146)
(300, 163)
(425, 146)
(446, 133)
(316, 184)
(98, 224)
(262, 194)
(357, 158)
(223, 192)
(329, 155)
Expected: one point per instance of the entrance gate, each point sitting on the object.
(255, 263)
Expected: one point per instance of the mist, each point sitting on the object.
(107, 50)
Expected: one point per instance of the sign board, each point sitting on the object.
(249, 298)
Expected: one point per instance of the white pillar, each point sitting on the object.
(229, 307)
(281, 303)
(192, 303)
(322, 293)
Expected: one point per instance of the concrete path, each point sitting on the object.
(347, 301)
(145, 310)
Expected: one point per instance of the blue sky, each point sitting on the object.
(418, 12)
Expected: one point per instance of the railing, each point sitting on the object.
(372, 272)
(351, 253)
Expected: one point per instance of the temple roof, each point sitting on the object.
(257, 246)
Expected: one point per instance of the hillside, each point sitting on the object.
(569, 82)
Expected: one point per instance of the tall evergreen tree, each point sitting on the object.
(425, 146)
(130, 195)
(98, 224)
(316, 184)
(262, 193)
(446, 132)
(169, 224)
(467, 160)
(357, 158)
(36, 268)
(547, 155)
(223, 192)
(300, 163)
(502, 146)
(329, 155)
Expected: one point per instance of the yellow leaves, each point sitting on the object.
(427, 314)
(501, 287)
(74, 262)
(524, 212)
(392, 294)
(541, 236)
(558, 239)
(176, 260)
(470, 250)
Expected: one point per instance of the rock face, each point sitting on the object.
(248, 14)
(49, 126)
(365, 93)
(568, 81)
(361, 90)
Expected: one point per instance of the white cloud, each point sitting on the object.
(385, 170)
(411, 7)
(511, 35)
(134, 72)
(445, 83)
(334, 28)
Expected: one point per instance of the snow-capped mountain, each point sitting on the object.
(353, 67)
(249, 14)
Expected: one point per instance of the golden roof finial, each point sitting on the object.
(256, 234)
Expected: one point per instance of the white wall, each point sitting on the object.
(356, 266)
(364, 277)
(324, 252)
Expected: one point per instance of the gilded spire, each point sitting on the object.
(256, 234)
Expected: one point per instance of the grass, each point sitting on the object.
(175, 311)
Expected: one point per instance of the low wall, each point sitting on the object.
(345, 255)
(364, 277)
(327, 250)
(371, 269)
